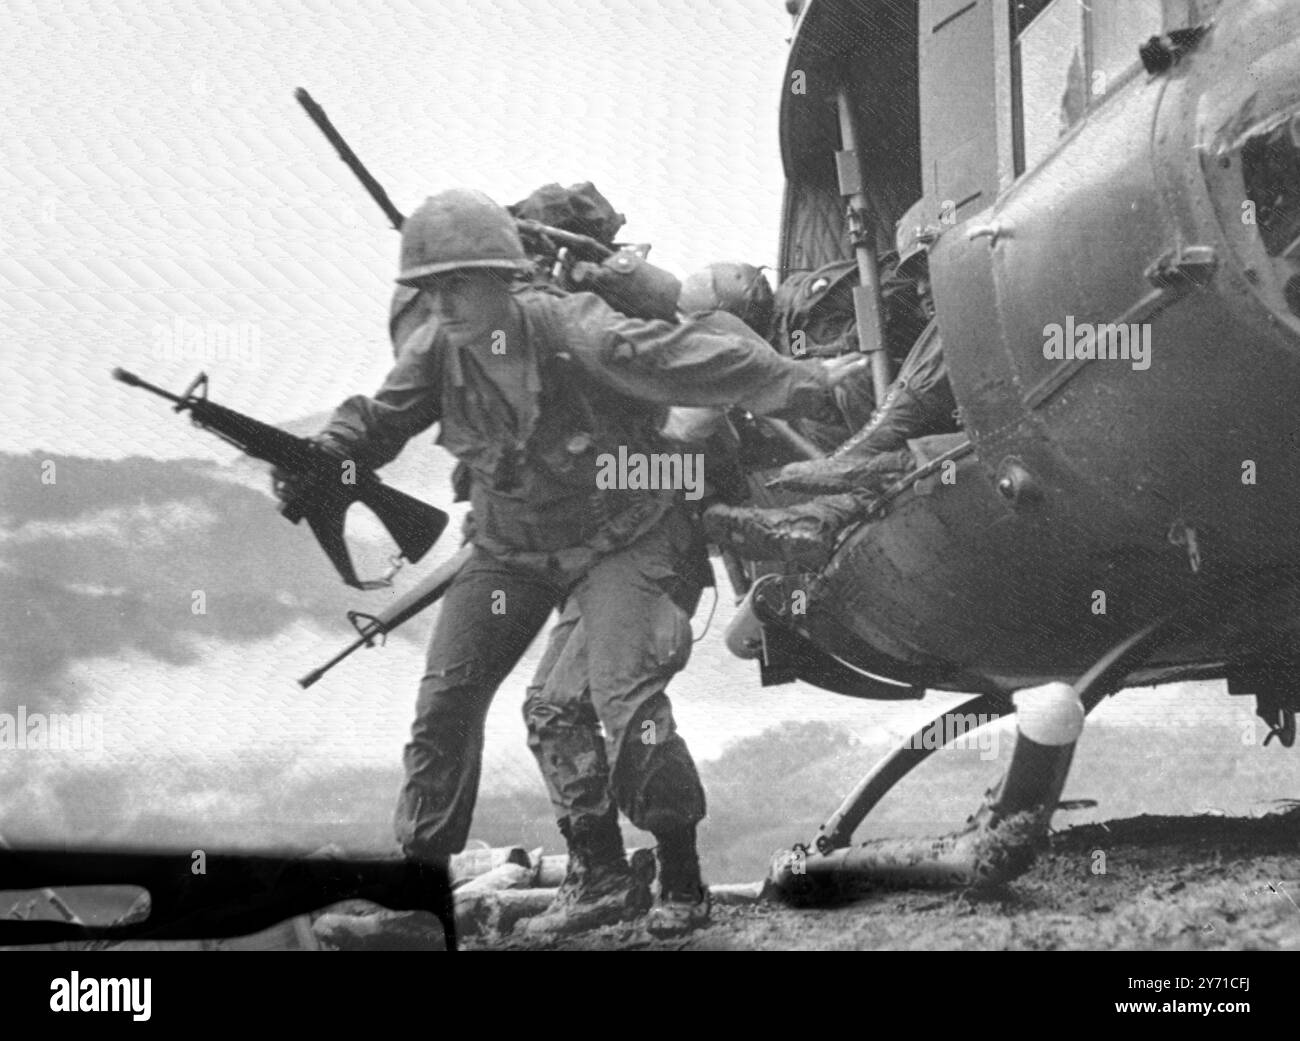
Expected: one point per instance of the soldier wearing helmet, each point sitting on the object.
(531, 390)
(919, 403)
(740, 289)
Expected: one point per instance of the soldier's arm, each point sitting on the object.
(714, 359)
(373, 430)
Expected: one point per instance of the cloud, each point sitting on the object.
(137, 554)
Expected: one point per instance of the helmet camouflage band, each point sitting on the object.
(459, 228)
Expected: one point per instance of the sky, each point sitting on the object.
(161, 185)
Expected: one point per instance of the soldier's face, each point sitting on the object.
(469, 305)
(926, 296)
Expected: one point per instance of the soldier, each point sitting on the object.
(738, 289)
(815, 318)
(535, 392)
(919, 403)
(558, 704)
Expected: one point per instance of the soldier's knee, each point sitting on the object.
(539, 714)
(452, 700)
(672, 638)
(629, 685)
(641, 723)
(441, 679)
(544, 714)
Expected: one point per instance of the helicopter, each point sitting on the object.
(1097, 524)
(1108, 199)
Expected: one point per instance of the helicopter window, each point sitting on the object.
(1118, 29)
(1025, 11)
(1271, 167)
(960, 125)
(1049, 73)
(1068, 55)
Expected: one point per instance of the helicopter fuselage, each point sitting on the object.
(1122, 330)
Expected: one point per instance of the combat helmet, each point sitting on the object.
(459, 228)
(739, 289)
(913, 237)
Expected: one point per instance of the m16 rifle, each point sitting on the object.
(622, 277)
(375, 627)
(530, 230)
(329, 485)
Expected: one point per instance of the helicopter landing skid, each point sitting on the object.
(1002, 839)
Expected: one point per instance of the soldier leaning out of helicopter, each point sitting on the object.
(849, 481)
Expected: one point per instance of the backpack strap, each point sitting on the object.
(546, 317)
(553, 352)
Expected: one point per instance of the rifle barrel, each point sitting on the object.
(316, 674)
(376, 190)
(526, 227)
(132, 380)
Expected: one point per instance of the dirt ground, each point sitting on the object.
(1144, 883)
(1160, 883)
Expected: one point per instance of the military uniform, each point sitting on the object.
(919, 403)
(627, 563)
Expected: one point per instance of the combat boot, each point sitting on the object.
(599, 887)
(845, 473)
(683, 904)
(803, 534)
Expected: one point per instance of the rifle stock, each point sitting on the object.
(415, 526)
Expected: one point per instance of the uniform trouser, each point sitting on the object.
(625, 631)
(919, 403)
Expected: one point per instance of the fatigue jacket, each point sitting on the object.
(596, 381)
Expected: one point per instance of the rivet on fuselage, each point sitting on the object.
(1015, 483)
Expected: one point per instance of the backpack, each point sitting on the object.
(579, 208)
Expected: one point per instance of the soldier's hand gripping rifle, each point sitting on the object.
(329, 485)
